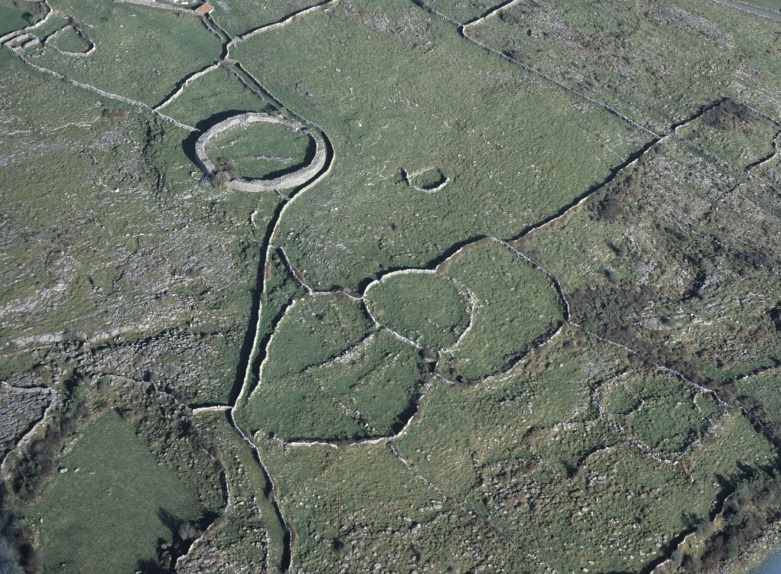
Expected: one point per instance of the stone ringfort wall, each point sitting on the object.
(243, 121)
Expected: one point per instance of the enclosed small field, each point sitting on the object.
(516, 307)
(110, 504)
(140, 52)
(263, 151)
(215, 96)
(431, 310)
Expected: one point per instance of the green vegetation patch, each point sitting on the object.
(263, 151)
(515, 307)
(462, 10)
(657, 63)
(313, 331)
(241, 16)
(431, 310)
(760, 394)
(111, 494)
(216, 95)
(396, 88)
(370, 390)
(141, 53)
(537, 456)
(70, 40)
(16, 14)
(734, 133)
(357, 508)
(661, 413)
(692, 286)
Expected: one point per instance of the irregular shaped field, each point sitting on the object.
(734, 133)
(383, 94)
(684, 287)
(215, 96)
(359, 508)
(370, 390)
(70, 40)
(428, 309)
(516, 306)
(110, 493)
(140, 52)
(658, 63)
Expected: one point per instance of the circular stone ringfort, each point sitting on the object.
(243, 121)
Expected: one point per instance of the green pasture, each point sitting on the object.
(369, 391)
(141, 53)
(110, 504)
(733, 133)
(71, 41)
(241, 16)
(657, 63)
(379, 78)
(15, 15)
(214, 96)
(353, 509)
(429, 309)
(516, 307)
(263, 150)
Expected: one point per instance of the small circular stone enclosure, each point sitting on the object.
(429, 309)
(245, 121)
(429, 180)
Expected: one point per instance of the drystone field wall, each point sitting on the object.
(243, 121)
(160, 5)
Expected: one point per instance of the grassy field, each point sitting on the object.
(688, 292)
(516, 307)
(541, 455)
(732, 133)
(263, 151)
(328, 377)
(213, 97)
(431, 310)
(378, 78)
(240, 16)
(141, 53)
(71, 41)
(658, 64)
(110, 504)
(358, 508)
(15, 15)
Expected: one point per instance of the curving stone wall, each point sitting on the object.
(243, 121)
